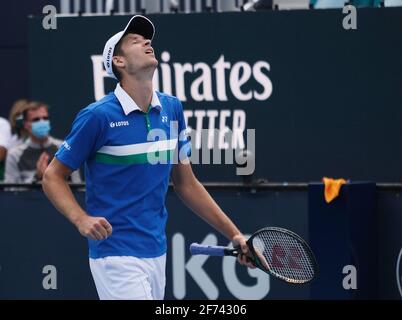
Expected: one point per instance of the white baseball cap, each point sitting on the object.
(137, 24)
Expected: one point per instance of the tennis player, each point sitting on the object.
(118, 138)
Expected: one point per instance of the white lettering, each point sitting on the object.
(179, 71)
(195, 268)
(239, 75)
(223, 130)
(166, 73)
(204, 81)
(350, 280)
(200, 77)
(241, 291)
(199, 114)
(220, 67)
(50, 280)
(263, 80)
(211, 114)
(119, 124)
(239, 125)
(99, 74)
(49, 22)
(350, 21)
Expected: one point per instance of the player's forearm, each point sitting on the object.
(199, 200)
(59, 193)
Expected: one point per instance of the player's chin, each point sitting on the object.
(152, 60)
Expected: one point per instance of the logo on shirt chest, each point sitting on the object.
(118, 124)
(164, 119)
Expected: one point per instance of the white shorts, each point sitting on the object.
(129, 278)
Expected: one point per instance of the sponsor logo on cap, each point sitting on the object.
(109, 53)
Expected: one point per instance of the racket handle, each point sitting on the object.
(196, 248)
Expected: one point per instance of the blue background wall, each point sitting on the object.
(39, 236)
(14, 80)
(335, 103)
(335, 110)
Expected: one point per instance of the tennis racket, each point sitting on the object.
(276, 251)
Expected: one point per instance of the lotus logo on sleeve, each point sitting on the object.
(66, 145)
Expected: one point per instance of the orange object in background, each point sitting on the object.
(332, 188)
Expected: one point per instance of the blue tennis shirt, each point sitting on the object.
(128, 156)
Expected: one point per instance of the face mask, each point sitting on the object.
(41, 129)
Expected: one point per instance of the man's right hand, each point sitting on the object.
(94, 228)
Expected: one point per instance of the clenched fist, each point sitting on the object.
(95, 228)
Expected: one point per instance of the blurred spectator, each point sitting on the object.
(26, 162)
(12, 136)
(5, 136)
(16, 118)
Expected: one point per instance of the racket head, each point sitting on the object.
(283, 254)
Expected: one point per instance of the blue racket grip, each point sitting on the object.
(196, 248)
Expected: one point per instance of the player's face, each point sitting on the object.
(138, 53)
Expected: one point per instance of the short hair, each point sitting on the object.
(16, 110)
(118, 51)
(32, 106)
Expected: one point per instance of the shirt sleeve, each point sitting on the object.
(85, 138)
(5, 133)
(184, 143)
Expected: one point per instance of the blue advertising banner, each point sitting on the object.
(43, 256)
(324, 101)
(344, 234)
(37, 243)
(390, 243)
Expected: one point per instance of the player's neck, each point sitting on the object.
(139, 90)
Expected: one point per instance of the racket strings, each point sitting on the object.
(284, 255)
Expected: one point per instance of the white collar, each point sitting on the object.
(129, 105)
